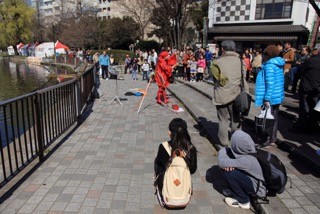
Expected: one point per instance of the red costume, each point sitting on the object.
(163, 72)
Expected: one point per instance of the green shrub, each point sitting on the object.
(119, 55)
(148, 45)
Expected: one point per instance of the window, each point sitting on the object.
(274, 9)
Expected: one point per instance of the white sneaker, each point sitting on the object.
(235, 203)
(107, 79)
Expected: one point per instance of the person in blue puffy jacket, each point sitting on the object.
(270, 87)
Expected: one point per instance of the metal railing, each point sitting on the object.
(68, 60)
(31, 123)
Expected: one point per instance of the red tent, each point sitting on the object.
(60, 45)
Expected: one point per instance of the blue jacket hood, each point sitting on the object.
(278, 61)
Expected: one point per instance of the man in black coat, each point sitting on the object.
(310, 92)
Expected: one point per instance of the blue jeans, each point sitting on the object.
(292, 73)
(145, 75)
(134, 74)
(240, 185)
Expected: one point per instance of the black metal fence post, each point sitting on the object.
(38, 126)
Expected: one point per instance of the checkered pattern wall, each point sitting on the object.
(232, 10)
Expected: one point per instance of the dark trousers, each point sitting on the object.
(188, 74)
(227, 113)
(308, 117)
(126, 69)
(303, 109)
(199, 76)
(274, 112)
(296, 78)
(145, 75)
(313, 115)
(240, 185)
(105, 72)
(180, 71)
(255, 72)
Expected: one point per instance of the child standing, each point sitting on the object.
(193, 70)
(145, 69)
(201, 68)
(134, 69)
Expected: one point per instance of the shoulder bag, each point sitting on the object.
(242, 102)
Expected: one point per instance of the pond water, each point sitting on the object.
(19, 78)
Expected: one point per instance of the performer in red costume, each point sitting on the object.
(164, 68)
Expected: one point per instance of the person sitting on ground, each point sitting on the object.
(241, 170)
(181, 140)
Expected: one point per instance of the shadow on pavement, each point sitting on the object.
(208, 129)
(300, 146)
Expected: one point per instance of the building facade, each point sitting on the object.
(260, 22)
(104, 9)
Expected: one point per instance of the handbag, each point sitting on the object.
(264, 122)
(242, 102)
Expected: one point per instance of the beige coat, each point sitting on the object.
(229, 65)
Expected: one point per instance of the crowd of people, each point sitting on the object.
(291, 69)
(273, 70)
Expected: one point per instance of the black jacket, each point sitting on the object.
(160, 163)
(310, 76)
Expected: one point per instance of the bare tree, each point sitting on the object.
(179, 14)
(140, 11)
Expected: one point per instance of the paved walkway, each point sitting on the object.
(106, 165)
(304, 196)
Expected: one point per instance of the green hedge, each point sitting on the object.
(119, 55)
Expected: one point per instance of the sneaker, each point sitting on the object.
(234, 203)
(107, 79)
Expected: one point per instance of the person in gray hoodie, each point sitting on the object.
(241, 170)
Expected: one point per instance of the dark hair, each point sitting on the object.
(308, 49)
(180, 137)
(259, 50)
(289, 43)
(271, 51)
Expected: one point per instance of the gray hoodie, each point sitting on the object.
(242, 145)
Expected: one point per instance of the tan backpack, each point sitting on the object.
(177, 186)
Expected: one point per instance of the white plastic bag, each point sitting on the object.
(317, 107)
(100, 72)
(265, 113)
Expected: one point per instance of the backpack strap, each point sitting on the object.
(167, 147)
